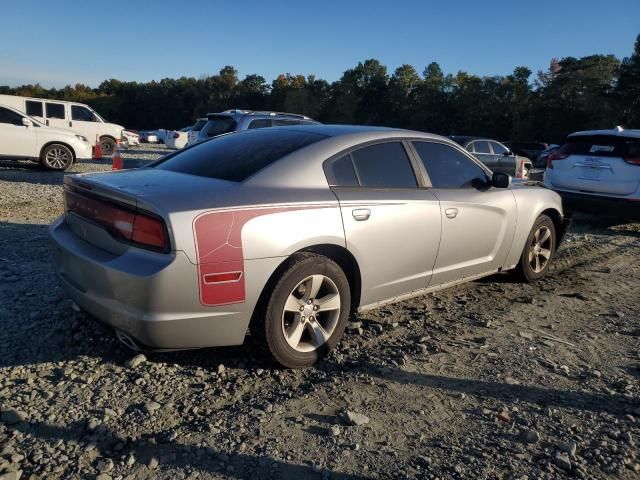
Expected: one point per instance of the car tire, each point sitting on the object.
(108, 146)
(538, 251)
(307, 311)
(56, 157)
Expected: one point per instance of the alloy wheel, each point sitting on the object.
(311, 313)
(57, 158)
(540, 249)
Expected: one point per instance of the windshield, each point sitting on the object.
(198, 126)
(237, 156)
(98, 115)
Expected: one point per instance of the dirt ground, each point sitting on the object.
(493, 379)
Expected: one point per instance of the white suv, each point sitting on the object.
(598, 167)
(23, 137)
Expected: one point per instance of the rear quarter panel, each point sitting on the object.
(531, 201)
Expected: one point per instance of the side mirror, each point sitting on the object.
(508, 153)
(26, 122)
(500, 180)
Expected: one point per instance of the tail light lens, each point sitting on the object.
(632, 160)
(555, 156)
(138, 228)
(176, 135)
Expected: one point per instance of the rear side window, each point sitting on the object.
(219, 125)
(34, 109)
(384, 165)
(480, 147)
(55, 110)
(449, 168)
(238, 156)
(602, 146)
(340, 172)
(260, 123)
(498, 149)
(285, 122)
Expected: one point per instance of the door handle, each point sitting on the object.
(361, 214)
(47, 123)
(70, 124)
(451, 212)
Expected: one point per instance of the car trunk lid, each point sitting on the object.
(604, 164)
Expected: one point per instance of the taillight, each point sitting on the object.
(632, 160)
(123, 223)
(149, 231)
(555, 156)
(176, 135)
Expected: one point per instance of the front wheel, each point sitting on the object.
(307, 311)
(108, 146)
(56, 157)
(539, 250)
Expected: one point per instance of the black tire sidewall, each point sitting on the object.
(299, 269)
(56, 145)
(525, 268)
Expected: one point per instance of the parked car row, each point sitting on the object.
(496, 156)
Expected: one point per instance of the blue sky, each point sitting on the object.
(65, 42)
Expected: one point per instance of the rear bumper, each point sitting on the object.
(151, 297)
(615, 207)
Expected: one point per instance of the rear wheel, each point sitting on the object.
(56, 157)
(108, 146)
(539, 250)
(307, 312)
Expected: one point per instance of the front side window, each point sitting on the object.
(498, 149)
(480, 147)
(82, 114)
(449, 168)
(55, 110)
(10, 117)
(260, 123)
(237, 156)
(34, 108)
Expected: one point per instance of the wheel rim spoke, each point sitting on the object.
(295, 331)
(546, 235)
(537, 267)
(328, 302)
(319, 336)
(313, 286)
(293, 304)
(545, 253)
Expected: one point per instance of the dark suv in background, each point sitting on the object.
(495, 155)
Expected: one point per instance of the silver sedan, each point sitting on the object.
(290, 230)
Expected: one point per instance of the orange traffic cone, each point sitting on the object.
(116, 162)
(97, 150)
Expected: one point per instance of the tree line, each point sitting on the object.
(596, 91)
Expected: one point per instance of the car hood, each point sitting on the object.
(58, 131)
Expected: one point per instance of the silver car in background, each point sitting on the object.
(236, 120)
(598, 168)
(290, 230)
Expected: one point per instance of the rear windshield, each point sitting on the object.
(198, 125)
(602, 146)
(219, 125)
(237, 156)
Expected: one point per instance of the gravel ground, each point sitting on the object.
(493, 379)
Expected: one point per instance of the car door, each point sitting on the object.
(478, 221)
(505, 160)
(84, 122)
(16, 140)
(482, 151)
(56, 115)
(391, 225)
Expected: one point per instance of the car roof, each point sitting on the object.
(615, 132)
(235, 112)
(464, 139)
